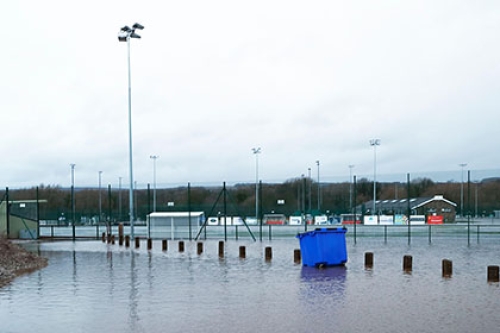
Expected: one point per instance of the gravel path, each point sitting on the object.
(14, 261)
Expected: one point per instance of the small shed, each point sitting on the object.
(174, 223)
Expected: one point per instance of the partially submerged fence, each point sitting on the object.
(466, 231)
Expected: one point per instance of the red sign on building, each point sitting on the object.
(435, 219)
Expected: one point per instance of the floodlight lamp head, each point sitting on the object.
(122, 36)
(134, 35)
(138, 26)
(126, 29)
(256, 150)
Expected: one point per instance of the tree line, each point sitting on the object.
(294, 196)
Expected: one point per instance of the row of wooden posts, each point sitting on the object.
(125, 240)
(447, 265)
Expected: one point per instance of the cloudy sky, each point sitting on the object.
(303, 80)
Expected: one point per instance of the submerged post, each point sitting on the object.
(150, 243)
(269, 253)
(164, 245)
(221, 249)
(137, 242)
(199, 248)
(120, 230)
(127, 241)
(243, 252)
(181, 246)
(368, 259)
(407, 263)
(296, 256)
(447, 268)
(493, 274)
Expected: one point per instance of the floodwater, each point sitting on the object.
(90, 286)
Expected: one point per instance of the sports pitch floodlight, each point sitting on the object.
(124, 35)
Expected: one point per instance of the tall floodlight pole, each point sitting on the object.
(256, 152)
(73, 191)
(100, 197)
(119, 198)
(350, 186)
(319, 193)
(154, 158)
(462, 165)
(374, 143)
(309, 196)
(124, 36)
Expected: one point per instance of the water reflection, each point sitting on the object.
(321, 282)
(133, 314)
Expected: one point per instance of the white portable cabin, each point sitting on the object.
(170, 222)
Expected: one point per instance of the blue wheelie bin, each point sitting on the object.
(323, 247)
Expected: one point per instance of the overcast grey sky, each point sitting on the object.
(303, 80)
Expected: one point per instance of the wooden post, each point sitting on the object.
(296, 256)
(493, 274)
(113, 239)
(120, 230)
(243, 252)
(199, 248)
(181, 246)
(407, 263)
(269, 253)
(369, 260)
(150, 243)
(109, 238)
(127, 241)
(164, 245)
(103, 237)
(221, 249)
(120, 240)
(447, 268)
(137, 242)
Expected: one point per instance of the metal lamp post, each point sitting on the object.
(350, 186)
(100, 198)
(309, 197)
(73, 191)
(256, 152)
(319, 193)
(462, 165)
(124, 36)
(374, 143)
(119, 198)
(154, 158)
